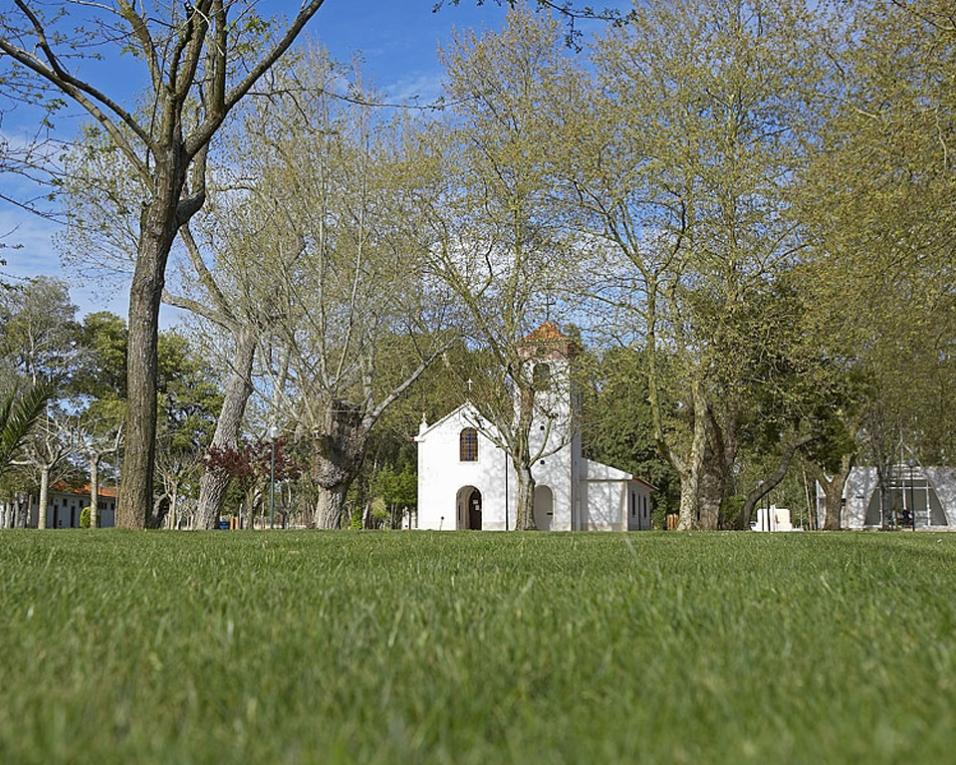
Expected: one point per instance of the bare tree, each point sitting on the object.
(355, 323)
(96, 447)
(199, 65)
(54, 440)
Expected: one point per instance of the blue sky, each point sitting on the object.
(396, 40)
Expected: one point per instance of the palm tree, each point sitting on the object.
(18, 414)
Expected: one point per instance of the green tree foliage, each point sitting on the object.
(617, 423)
(879, 202)
(18, 414)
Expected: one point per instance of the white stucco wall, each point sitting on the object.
(442, 475)
(606, 499)
(605, 504)
(860, 484)
(76, 502)
(864, 480)
(943, 480)
(640, 519)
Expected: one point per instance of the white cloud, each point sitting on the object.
(421, 88)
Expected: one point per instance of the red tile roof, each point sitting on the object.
(547, 332)
(82, 491)
(547, 341)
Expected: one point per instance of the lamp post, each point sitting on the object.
(273, 434)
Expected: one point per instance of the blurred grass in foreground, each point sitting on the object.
(476, 648)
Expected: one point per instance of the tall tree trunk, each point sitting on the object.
(330, 507)
(834, 507)
(833, 492)
(94, 491)
(174, 507)
(694, 465)
(213, 484)
(44, 496)
(158, 225)
(522, 460)
(711, 494)
(524, 503)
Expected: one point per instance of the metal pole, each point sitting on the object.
(912, 497)
(272, 487)
(506, 491)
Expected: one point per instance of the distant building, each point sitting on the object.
(910, 497)
(466, 480)
(66, 502)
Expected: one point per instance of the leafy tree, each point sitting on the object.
(354, 319)
(673, 166)
(877, 202)
(201, 60)
(492, 238)
(397, 490)
(38, 331)
(617, 425)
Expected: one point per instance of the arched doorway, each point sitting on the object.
(469, 508)
(543, 507)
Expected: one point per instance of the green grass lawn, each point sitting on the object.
(476, 648)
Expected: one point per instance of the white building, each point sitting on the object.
(912, 496)
(466, 479)
(65, 503)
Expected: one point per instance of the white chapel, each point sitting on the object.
(466, 480)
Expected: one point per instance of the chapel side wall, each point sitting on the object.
(640, 521)
(606, 505)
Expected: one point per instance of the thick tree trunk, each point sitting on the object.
(687, 509)
(158, 226)
(44, 497)
(834, 507)
(337, 457)
(691, 474)
(213, 484)
(173, 508)
(330, 507)
(524, 503)
(711, 495)
(522, 460)
(94, 491)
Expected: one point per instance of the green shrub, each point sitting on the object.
(85, 517)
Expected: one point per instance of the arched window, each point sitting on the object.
(541, 376)
(468, 445)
